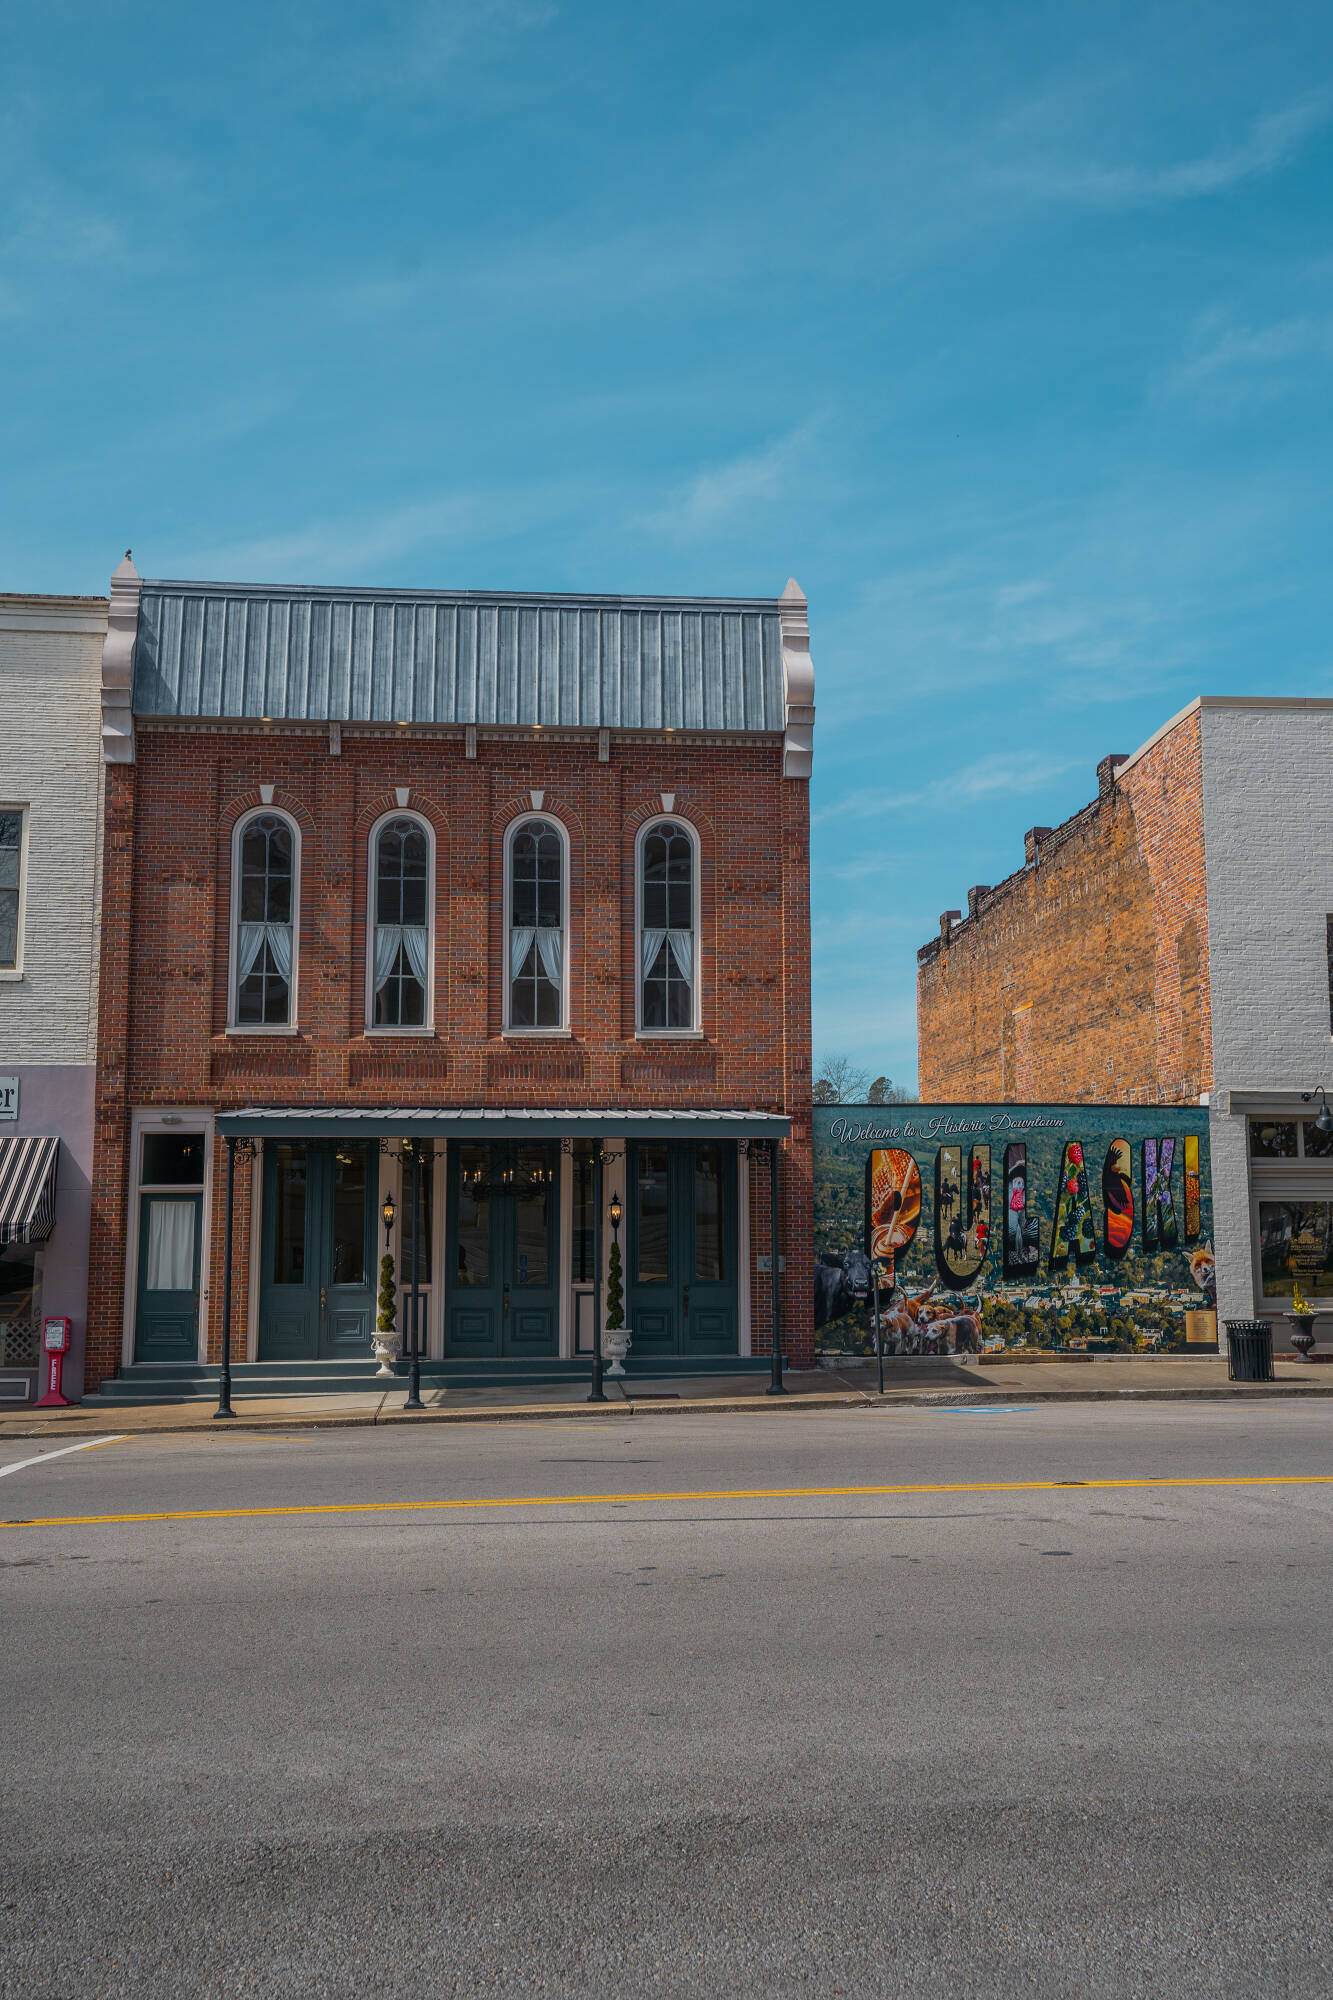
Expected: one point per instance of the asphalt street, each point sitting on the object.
(675, 1705)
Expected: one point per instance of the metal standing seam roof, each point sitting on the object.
(312, 654)
(478, 1122)
(28, 1189)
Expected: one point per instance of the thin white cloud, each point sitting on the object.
(431, 45)
(722, 494)
(1003, 774)
(1250, 360)
(1270, 142)
(352, 548)
(1010, 594)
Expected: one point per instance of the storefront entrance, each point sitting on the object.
(317, 1287)
(680, 1279)
(166, 1323)
(502, 1264)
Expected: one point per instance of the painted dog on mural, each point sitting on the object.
(913, 1325)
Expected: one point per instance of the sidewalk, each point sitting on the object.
(1093, 1379)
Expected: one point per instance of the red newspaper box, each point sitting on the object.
(56, 1337)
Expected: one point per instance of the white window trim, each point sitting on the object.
(694, 1032)
(13, 973)
(564, 1030)
(193, 1118)
(372, 1026)
(291, 1025)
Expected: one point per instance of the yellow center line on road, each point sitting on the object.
(668, 1499)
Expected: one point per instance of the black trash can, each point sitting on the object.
(1250, 1350)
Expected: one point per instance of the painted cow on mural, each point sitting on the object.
(840, 1284)
(921, 1324)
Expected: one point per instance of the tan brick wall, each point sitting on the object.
(165, 952)
(1084, 977)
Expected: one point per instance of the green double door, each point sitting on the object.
(317, 1284)
(680, 1280)
(503, 1259)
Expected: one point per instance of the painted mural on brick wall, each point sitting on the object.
(1078, 1227)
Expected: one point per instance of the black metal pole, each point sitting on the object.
(224, 1408)
(414, 1401)
(775, 1387)
(597, 1393)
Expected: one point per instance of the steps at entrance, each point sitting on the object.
(189, 1382)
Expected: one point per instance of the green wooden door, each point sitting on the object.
(317, 1288)
(166, 1320)
(680, 1281)
(504, 1250)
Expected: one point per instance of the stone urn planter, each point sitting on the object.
(616, 1344)
(1302, 1333)
(388, 1346)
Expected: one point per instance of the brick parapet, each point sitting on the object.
(1084, 974)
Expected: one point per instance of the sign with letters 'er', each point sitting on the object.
(9, 1097)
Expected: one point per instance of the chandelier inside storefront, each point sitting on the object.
(510, 1180)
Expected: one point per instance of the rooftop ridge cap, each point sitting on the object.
(353, 592)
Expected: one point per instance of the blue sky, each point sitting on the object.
(1006, 330)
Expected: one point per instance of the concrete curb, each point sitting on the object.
(814, 1404)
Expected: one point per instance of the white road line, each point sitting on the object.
(43, 1456)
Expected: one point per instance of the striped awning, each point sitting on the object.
(27, 1189)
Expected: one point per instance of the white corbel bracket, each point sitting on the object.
(118, 665)
(798, 683)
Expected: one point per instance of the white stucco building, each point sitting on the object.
(1268, 852)
(50, 861)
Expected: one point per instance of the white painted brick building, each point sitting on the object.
(51, 794)
(1268, 849)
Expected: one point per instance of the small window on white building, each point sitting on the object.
(536, 898)
(400, 974)
(262, 948)
(11, 884)
(668, 927)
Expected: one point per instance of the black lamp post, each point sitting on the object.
(597, 1393)
(414, 1401)
(776, 1386)
(224, 1408)
(615, 1211)
(388, 1211)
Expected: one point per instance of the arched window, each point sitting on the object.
(400, 934)
(535, 884)
(668, 927)
(265, 863)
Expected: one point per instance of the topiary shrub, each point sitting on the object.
(615, 1291)
(388, 1300)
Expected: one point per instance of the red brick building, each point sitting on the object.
(515, 887)
(1083, 977)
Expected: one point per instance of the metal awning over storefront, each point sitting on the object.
(28, 1189)
(344, 1121)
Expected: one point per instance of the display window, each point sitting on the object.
(1291, 1189)
(1296, 1246)
(20, 1303)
